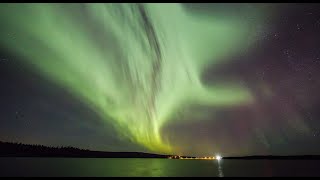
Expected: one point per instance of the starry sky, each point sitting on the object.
(189, 79)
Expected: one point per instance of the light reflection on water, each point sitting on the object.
(220, 169)
(155, 167)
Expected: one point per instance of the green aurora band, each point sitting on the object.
(137, 65)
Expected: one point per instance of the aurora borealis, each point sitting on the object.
(160, 75)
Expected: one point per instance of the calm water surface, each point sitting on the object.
(155, 167)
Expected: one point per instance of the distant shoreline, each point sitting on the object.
(300, 157)
(25, 150)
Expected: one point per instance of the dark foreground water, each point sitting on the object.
(155, 167)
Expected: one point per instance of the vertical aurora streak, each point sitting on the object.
(136, 65)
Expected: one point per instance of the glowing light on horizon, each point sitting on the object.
(218, 157)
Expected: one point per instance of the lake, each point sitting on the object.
(155, 167)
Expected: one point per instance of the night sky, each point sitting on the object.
(189, 79)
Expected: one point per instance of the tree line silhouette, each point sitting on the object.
(8, 149)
